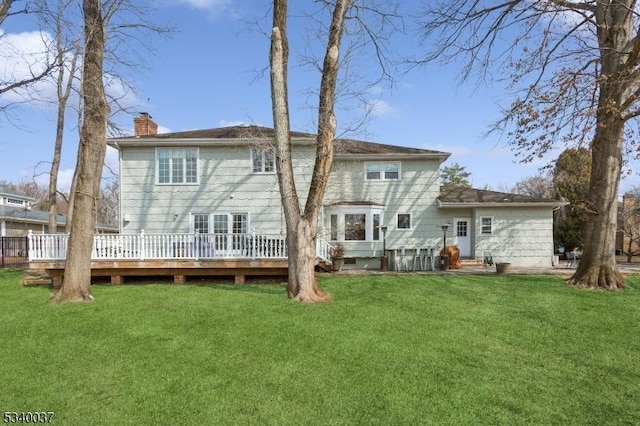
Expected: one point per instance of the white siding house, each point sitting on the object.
(223, 181)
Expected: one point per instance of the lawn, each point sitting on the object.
(388, 350)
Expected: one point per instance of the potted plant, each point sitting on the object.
(337, 256)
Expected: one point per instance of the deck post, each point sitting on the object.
(179, 279)
(240, 279)
(141, 241)
(117, 279)
(253, 243)
(56, 280)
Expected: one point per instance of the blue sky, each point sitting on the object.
(208, 74)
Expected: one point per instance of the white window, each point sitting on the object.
(220, 223)
(486, 225)
(388, 170)
(355, 227)
(354, 223)
(263, 160)
(228, 228)
(177, 165)
(404, 221)
(200, 223)
(15, 201)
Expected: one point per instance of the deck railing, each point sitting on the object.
(164, 246)
(170, 246)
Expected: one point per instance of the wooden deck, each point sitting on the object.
(180, 269)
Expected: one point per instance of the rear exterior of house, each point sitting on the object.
(223, 181)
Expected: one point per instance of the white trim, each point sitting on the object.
(184, 166)
(465, 246)
(492, 232)
(382, 165)
(341, 211)
(228, 214)
(410, 228)
(263, 152)
(506, 204)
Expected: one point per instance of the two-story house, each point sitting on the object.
(223, 181)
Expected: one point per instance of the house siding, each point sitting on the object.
(226, 185)
(415, 193)
(521, 236)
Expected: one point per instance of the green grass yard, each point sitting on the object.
(388, 350)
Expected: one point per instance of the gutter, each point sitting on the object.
(455, 205)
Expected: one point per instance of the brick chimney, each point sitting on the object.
(143, 125)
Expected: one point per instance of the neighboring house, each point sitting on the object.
(223, 181)
(17, 217)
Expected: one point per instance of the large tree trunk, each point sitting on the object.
(597, 268)
(302, 285)
(76, 285)
(302, 228)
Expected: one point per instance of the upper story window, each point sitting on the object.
(486, 225)
(15, 201)
(263, 160)
(382, 170)
(177, 165)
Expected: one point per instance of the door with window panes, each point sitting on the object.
(461, 230)
(228, 231)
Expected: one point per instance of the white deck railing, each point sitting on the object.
(170, 246)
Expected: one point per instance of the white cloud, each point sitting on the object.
(214, 5)
(163, 129)
(111, 159)
(65, 177)
(22, 56)
(225, 123)
(379, 108)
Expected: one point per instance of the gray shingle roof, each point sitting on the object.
(342, 146)
(450, 194)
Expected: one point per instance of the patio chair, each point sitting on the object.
(400, 258)
(573, 258)
(427, 259)
(487, 259)
(418, 254)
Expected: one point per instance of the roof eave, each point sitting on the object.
(146, 142)
(394, 156)
(456, 205)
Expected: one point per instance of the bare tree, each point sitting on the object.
(302, 226)
(540, 186)
(58, 16)
(76, 284)
(37, 71)
(575, 68)
(108, 203)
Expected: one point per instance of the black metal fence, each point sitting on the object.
(14, 252)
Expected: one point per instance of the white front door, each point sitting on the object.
(461, 235)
